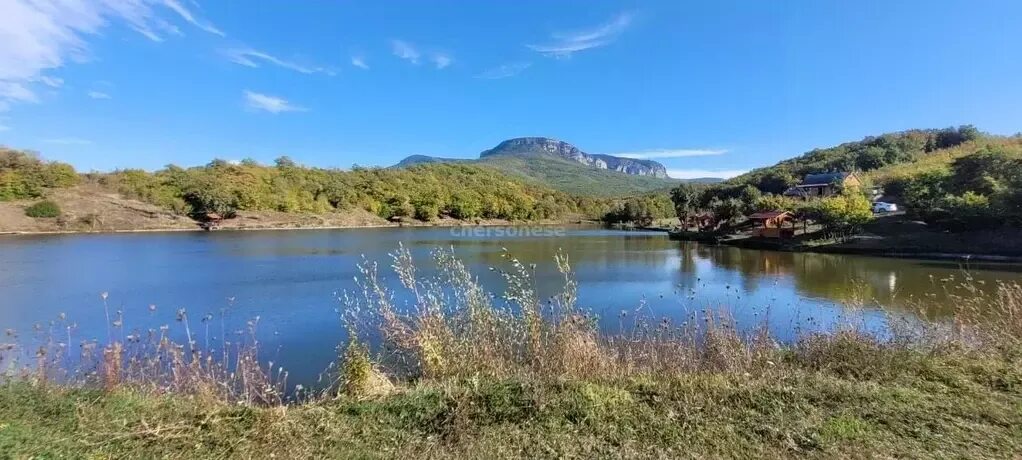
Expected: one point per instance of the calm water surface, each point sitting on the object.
(291, 280)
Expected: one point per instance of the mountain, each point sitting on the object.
(424, 159)
(564, 167)
(547, 146)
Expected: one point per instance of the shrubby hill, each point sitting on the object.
(423, 192)
(953, 178)
(871, 153)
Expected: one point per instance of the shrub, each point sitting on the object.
(43, 209)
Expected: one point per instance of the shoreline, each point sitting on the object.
(744, 243)
(891, 251)
(439, 224)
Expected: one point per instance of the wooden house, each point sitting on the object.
(701, 220)
(772, 224)
(824, 185)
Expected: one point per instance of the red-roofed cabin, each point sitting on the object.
(771, 224)
(212, 221)
(702, 220)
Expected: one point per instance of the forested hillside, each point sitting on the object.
(972, 186)
(953, 178)
(424, 192)
(871, 153)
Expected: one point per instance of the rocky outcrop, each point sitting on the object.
(547, 146)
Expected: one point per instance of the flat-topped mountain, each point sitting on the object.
(547, 146)
(565, 167)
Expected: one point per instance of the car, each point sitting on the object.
(880, 207)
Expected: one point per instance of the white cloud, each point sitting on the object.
(504, 70)
(441, 60)
(98, 95)
(188, 16)
(406, 51)
(359, 61)
(252, 58)
(38, 35)
(566, 43)
(52, 82)
(272, 104)
(68, 141)
(14, 92)
(670, 153)
(701, 173)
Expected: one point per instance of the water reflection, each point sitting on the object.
(291, 280)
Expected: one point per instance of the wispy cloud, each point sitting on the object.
(249, 57)
(67, 141)
(52, 82)
(405, 50)
(360, 62)
(412, 53)
(267, 103)
(11, 92)
(39, 35)
(188, 16)
(564, 44)
(441, 60)
(504, 70)
(98, 95)
(701, 173)
(670, 153)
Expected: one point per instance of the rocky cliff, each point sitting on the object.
(546, 146)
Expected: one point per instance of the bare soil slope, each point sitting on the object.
(90, 208)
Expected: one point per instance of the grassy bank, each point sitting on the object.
(905, 405)
(460, 372)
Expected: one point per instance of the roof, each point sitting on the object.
(768, 215)
(794, 191)
(825, 178)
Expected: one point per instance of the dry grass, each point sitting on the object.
(457, 371)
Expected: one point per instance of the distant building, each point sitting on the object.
(823, 185)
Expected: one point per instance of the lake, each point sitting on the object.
(291, 281)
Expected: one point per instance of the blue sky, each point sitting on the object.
(707, 88)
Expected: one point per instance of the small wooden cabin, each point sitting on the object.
(212, 221)
(701, 220)
(824, 185)
(772, 224)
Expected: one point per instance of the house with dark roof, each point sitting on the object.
(823, 185)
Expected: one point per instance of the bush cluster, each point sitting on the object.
(43, 209)
(976, 191)
(23, 175)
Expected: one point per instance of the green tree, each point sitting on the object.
(685, 198)
(727, 211)
(843, 213)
